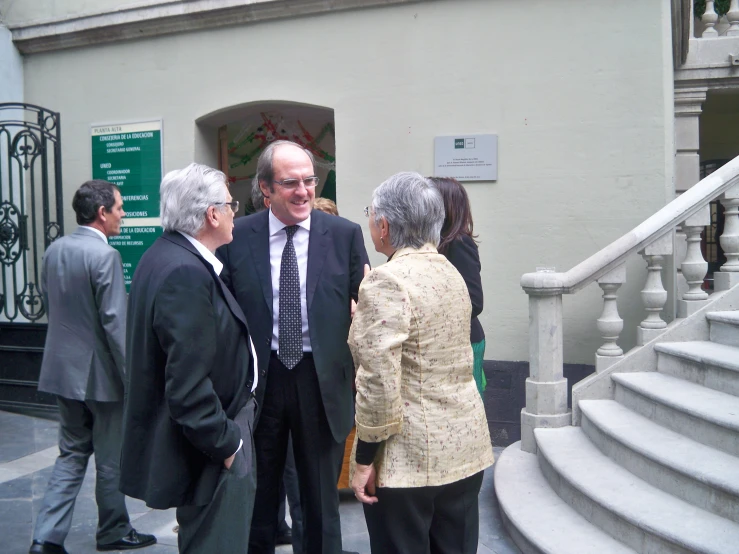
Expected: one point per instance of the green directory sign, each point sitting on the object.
(130, 155)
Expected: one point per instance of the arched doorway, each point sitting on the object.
(233, 138)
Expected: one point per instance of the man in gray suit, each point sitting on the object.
(83, 365)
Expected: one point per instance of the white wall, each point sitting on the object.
(575, 90)
(15, 12)
(11, 69)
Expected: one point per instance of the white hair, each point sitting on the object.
(186, 194)
(413, 208)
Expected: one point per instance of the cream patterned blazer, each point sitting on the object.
(410, 339)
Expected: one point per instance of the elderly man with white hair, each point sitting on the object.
(189, 406)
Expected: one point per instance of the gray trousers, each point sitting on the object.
(85, 427)
(223, 525)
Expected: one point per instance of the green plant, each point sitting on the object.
(722, 6)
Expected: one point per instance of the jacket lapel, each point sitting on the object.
(260, 250)
(318, 246)
(230, 300)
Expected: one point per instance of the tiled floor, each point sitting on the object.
(27, 451)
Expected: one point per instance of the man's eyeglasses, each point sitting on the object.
(234, 205)
(292, 184)
(366, 211)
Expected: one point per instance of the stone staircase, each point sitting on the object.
(652, 469)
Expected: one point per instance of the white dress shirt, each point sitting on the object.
(277, 242)
(98, 231)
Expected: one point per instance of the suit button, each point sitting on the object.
(267, 341)
(264, 372)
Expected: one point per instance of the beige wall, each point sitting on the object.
(585, 145)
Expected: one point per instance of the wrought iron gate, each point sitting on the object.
(31, 208)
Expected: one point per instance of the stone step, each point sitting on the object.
(538, 519)
(700, 475)
(619, 503)
(706, 363)
(702, 414)
(724, 327)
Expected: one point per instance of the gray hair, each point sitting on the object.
(413, 208)
(265, 171)
(186, 194)
(257, 197)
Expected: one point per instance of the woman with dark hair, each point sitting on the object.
(459, 246)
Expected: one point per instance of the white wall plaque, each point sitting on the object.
(466, 157)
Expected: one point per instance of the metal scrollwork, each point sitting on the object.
(53, 231)
(10, 233)
(31, 205)
(31, 304)
(22, 148)
(50, 122)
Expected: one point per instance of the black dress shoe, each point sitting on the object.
(39, 547)
(133, 540)
(284, 537)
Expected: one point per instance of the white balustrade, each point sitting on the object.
(709, 20)
(654, 294)
(654, 239)
(694, 266)
(728, 276)
(733, 16)
(610, 323)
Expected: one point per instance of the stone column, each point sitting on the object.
(688, 109)
(546, 387)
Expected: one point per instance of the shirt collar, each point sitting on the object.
(205, 253)
(98, 231)
(275, 225)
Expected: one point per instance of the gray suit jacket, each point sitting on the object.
(82, 282)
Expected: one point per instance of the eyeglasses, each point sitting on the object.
(292, 184)
(234, 205)
(366, 211)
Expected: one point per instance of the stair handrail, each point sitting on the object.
(546, 387)
(613, 255)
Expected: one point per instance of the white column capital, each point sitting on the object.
(689, 101)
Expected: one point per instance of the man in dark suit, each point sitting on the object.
(294, 272)
(189, 406)
(83, 365)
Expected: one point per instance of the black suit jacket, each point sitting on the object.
(464, 255)
(336, 258)
(189, 372)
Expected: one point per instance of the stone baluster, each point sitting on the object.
(694, 267)
(654, 294)
(728, 276)
(546, 387)
(733, 16)
(610, 323)
(709, 19)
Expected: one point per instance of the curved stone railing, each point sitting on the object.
(710, 18)
(546, 387)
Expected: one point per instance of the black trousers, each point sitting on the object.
(292, 405)
(426, 520)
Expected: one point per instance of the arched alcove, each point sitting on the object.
(232, 138)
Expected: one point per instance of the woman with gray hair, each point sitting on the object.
(422, 436)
